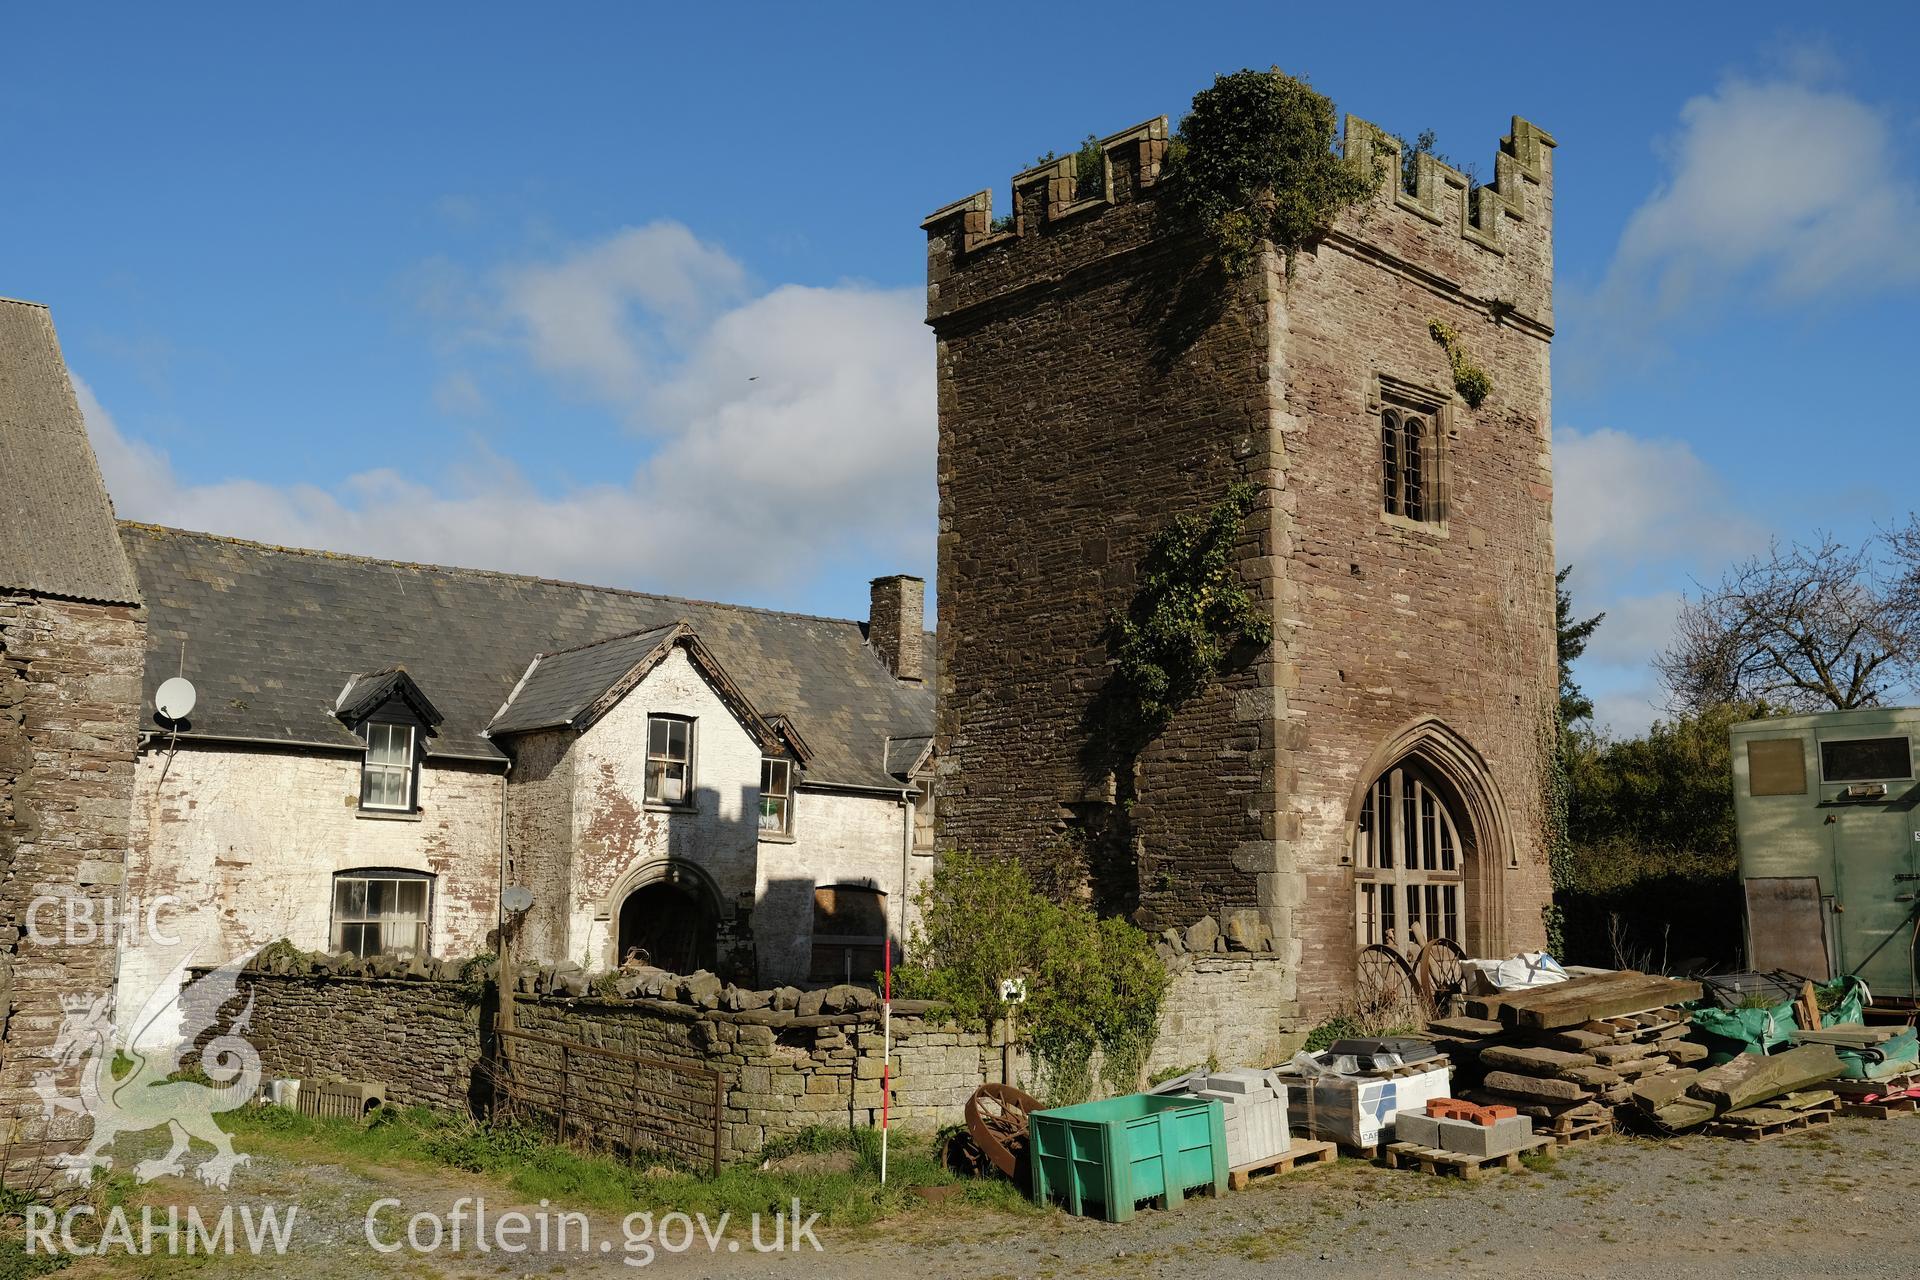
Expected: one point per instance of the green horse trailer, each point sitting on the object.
(1830, 844)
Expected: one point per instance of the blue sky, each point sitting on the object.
(632, 294)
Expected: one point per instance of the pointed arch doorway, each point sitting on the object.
(1409, 860)
(1431, 844)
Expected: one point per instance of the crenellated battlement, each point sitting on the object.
(1448, 219)
(1446, 197)
(1049, 191)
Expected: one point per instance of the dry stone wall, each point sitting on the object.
(787, 1059)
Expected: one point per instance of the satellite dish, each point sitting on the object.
(174, 699)
(514, 899)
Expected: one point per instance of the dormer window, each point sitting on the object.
(393, 717)
(386, 778)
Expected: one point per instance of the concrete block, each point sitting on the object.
(1509, 1133)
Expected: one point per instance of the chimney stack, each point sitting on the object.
(896, 624)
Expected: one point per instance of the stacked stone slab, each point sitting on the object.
(1735, 1089)
(1550, 1055)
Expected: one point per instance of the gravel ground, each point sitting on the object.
(1831, 1202)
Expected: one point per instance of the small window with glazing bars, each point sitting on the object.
(776, 797)
(386, 774)
(670, 761)
(1407, 487)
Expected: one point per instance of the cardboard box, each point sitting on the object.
(1360, 1111)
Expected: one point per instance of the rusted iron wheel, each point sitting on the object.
(960, 1155)
(1386, 995)
(997, 1122)
(1442, 973)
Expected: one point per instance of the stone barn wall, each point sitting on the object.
(788, 1059)
(245, 842)
(69, 706)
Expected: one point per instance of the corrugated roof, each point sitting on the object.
(57, 533)
(561, 686)
(272, 635)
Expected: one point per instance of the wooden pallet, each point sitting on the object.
(1854, 1090)
(1348, 1151)
(1408, 1155)
(1302, 1152)
(1566, 1137)
(1881, 1108)
(1778, 1124)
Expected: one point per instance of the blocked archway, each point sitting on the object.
(1449, 815)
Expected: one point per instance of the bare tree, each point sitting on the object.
(1903, 553)
(1811, 627)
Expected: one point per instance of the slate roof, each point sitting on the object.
(561, 686)
(362, 695)
(905, 754)
(273, 633)
(57, 533)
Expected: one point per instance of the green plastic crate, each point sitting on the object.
(1101, 1159)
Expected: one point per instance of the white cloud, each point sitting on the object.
(1627, 712)
(1638, 519)
(1793, 188)
(782, 431)
(458, 393)
(1636, 628)
(613, 312)
(1622, 499)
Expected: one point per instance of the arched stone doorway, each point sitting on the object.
(1430, 843)
(669, 919)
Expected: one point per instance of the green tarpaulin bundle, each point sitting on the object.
(1896, 1057)
(1729, 1032)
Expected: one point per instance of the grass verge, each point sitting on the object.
(540, 1169)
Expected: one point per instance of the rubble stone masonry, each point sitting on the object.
(1098, 378)
(69, 699)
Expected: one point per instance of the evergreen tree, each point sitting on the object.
(1574, 705)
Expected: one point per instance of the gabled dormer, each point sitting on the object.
(389, 712)
(573, 688)
(779, 773)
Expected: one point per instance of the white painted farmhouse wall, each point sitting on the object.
(620, 842)
(838, 838)
(248, 840)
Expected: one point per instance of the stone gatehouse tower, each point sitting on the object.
(1097, 380)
